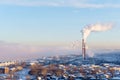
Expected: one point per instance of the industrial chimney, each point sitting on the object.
(92, 28)
(83, 49)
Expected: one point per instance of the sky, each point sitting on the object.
(35, 27)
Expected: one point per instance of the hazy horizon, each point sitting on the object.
(30, 28)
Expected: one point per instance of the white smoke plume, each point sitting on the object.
(94, 28)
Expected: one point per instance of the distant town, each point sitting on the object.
(59, 39)
(69, 67)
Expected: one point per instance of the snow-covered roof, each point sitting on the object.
(118, 78)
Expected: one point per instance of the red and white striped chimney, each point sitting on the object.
(83, 49)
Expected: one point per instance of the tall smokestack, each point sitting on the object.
(92, 28)
(83, 49)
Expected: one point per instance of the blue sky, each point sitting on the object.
(58, 22)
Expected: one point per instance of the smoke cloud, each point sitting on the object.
(95, 28)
